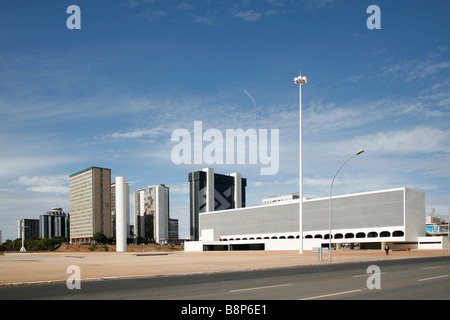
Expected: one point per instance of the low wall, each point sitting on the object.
(433, 243)
(268, 244)
(112, 248)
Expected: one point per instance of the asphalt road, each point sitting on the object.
(419, 278)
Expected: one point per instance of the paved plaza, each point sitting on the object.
(28, 268)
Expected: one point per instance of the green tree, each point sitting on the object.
(99, 237)
(35, 244)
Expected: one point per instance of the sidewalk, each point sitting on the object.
(24, 268)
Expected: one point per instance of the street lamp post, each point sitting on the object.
(300, 80)
(331, 190)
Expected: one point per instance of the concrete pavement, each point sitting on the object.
(29, 268)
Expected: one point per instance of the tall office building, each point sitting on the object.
(90, 204)
(210, 191)
(31, 228)
(151, 213)
(113, 209)
(54, 224)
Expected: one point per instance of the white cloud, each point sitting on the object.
(249, 15)
(184, 6)
(272, 182)
(421, 139)
(317, 4)
(136, 3)
(179, 188)
(209, 18)
(152, 15)
(326, 117)
(354, 78)
(28, 163)
(417, 69)
(140, 133)
(252, 15)
(58, 184)
(320, 116)
(19, 204)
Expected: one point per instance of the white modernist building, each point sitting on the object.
(371, 220)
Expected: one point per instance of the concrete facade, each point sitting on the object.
(370, 219)
(151, 213)
(90, 204)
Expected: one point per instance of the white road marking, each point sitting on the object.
(366, 275)
(259, 288)
(432, 278)
(426, 268)
(331, 294)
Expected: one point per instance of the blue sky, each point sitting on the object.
(112, 93)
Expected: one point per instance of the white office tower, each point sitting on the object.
(151, 212)
(122, 205)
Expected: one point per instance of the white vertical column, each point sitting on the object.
(128, 210)
(210, 190)
(121, 212)
(161, 214)
(237, 189)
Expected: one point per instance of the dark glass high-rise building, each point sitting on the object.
(31, 228)
(210, 191)
(54, 223)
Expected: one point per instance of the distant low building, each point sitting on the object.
(436, 226)
(284, 197)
